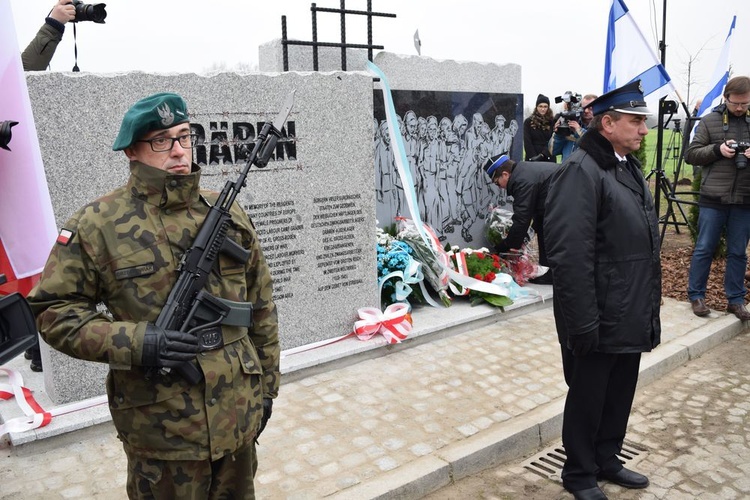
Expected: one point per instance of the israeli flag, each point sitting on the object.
(629, 57)
(720, 76)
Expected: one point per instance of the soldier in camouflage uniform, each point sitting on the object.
(122, 250)
(38, 54)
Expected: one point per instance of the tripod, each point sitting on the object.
(674, 152)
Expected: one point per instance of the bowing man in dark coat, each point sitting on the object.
(603, 243)
(527, 183)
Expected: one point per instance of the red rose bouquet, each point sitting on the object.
(483, 266)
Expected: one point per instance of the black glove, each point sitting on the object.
(167, 348)
(584, 343)
(267, 410)
(502, 247)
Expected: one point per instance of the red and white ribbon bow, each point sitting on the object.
(35, 416)
(392, 323)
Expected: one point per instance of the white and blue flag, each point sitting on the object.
(720, 76)
(629, 57)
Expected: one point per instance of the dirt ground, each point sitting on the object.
(675, 263)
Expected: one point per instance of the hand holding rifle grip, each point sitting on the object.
(187, 301)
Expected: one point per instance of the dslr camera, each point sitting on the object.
(5, 133)
(573, 113)
(89, 12)
(740, 160)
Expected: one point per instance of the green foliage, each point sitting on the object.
(641, 155)
(495, 300)
(391, 230)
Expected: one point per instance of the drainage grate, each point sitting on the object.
(549, 462)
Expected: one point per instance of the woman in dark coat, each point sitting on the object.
(537, 130)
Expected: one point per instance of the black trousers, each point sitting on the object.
(601, 388)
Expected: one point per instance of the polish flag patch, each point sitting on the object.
(65, 236)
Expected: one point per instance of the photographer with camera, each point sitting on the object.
(721, 147)
(38, 54)
(571, 123)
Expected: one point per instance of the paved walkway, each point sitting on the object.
(691, 427)
(400, 425)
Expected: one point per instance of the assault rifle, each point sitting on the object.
(191, 309)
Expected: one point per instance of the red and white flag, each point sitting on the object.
(27, 222)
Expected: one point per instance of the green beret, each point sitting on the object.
(155, 112)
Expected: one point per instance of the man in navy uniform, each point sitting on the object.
(603, 248)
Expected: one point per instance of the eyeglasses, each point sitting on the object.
(162, 144)
(738, 104)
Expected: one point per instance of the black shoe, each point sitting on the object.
(36, 366)
(594, 493)
(625, 478)
(27, 354)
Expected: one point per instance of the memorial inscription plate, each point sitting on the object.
(338, 217)
(278, 226)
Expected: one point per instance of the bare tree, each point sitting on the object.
(690, 78)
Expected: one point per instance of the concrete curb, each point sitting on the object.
(528, 433)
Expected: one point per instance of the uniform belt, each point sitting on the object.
(215, 337)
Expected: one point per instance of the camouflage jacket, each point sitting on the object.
(123, 252)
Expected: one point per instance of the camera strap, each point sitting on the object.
(75, 50)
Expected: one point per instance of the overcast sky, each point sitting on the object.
(559, 44)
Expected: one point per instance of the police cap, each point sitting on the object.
(494, 163)
(627, 99)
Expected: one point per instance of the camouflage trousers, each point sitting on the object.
(230, 477)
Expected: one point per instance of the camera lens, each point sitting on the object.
(90, 12)
(740, 161)
(5, 134)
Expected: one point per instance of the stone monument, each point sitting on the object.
(313, 206)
